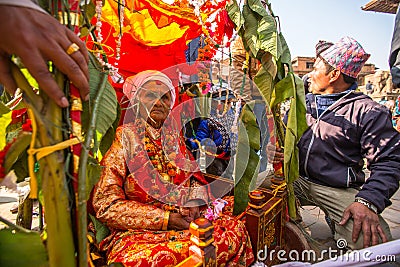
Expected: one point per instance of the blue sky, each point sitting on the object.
(305, 22)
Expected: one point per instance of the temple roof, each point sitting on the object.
(383, 6)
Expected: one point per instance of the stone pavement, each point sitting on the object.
(9, 200)
(320, 232)
(315, 219)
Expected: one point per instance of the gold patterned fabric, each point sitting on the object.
(131, 195)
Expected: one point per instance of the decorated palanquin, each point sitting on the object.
(267, 223)
(154, 35)
(131, 36)
(268, 213)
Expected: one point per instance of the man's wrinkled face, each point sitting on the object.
(319, 78)
(155, 101)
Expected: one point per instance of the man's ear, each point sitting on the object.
(334, 75)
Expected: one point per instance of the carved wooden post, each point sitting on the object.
(264, 222)
(202, 240)
(253, 220)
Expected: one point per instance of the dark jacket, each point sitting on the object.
(332, 149)
(394, 57)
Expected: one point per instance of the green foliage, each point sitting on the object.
(88, 9)
(252, 131)
(246, 160)
(20, 167)
(93, 174)
(5, 119)
(286, 58)
(261, 38)
(292, 87)
(107, 112)
(108, 138)
(102, 231)
(264, 81)
(4, 109)
(16, 158)
(267, 35)
(22, 249)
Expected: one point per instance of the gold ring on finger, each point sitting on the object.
(72, 48)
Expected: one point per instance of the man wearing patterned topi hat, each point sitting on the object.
(345, 128)
(321, 46)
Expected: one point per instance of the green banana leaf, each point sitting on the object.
(285, 58)
(5, 119)
(246, 159)
(108, 137)
(4, 109)
(22, 249)
(267, 35)
(108, 109)
(102, 231)
(248, 178)
(93, 174)
(265, 82)
(261, 38)
(18, 151)
(292, 88)
(235, 15)
(250, 35)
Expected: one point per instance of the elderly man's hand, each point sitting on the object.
(36, 38)
(190, 214)
(365, 220)
(177, 222)
(192, 210)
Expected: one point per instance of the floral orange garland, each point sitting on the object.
(206, 53)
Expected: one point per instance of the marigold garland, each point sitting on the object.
(206, 53)
(220, 26)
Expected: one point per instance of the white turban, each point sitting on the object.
(134, 83)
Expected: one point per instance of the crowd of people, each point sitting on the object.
(148, 197)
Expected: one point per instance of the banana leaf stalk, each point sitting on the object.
(47, 115)
(82, 182)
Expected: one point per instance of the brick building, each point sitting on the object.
(304, 65)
